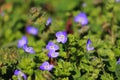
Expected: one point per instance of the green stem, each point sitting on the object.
(112, 28)
(102, 64)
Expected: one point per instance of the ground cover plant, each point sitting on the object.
(59, 40)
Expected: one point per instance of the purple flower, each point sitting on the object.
(20, 74)
(88, 45)
(53, 54)
(32, 30)
(46, 66)
(28, 49)
(61, 36)
(117, 0)
(51, 46)
(118, 62)
(49, 21)
(81, 18)
(22, 42)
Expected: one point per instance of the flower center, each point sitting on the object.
(20, 73)
(52, 54)
(62, 37)
(81, 19)
(52, 47)
(46, 67)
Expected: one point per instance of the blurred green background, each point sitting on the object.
(15, 16)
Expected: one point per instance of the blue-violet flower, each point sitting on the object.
(20, 74)
(118, 62)
(46, 66)
(81, 18)
(28, 49)
(88, 45)
(61, 36)
(32, 30)
(53, 54)
(22, 42)
(117, 0)
(51, 46)
(49, 21)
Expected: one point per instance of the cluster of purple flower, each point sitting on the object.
(52, 48)
(23, 43)
(83, 20)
